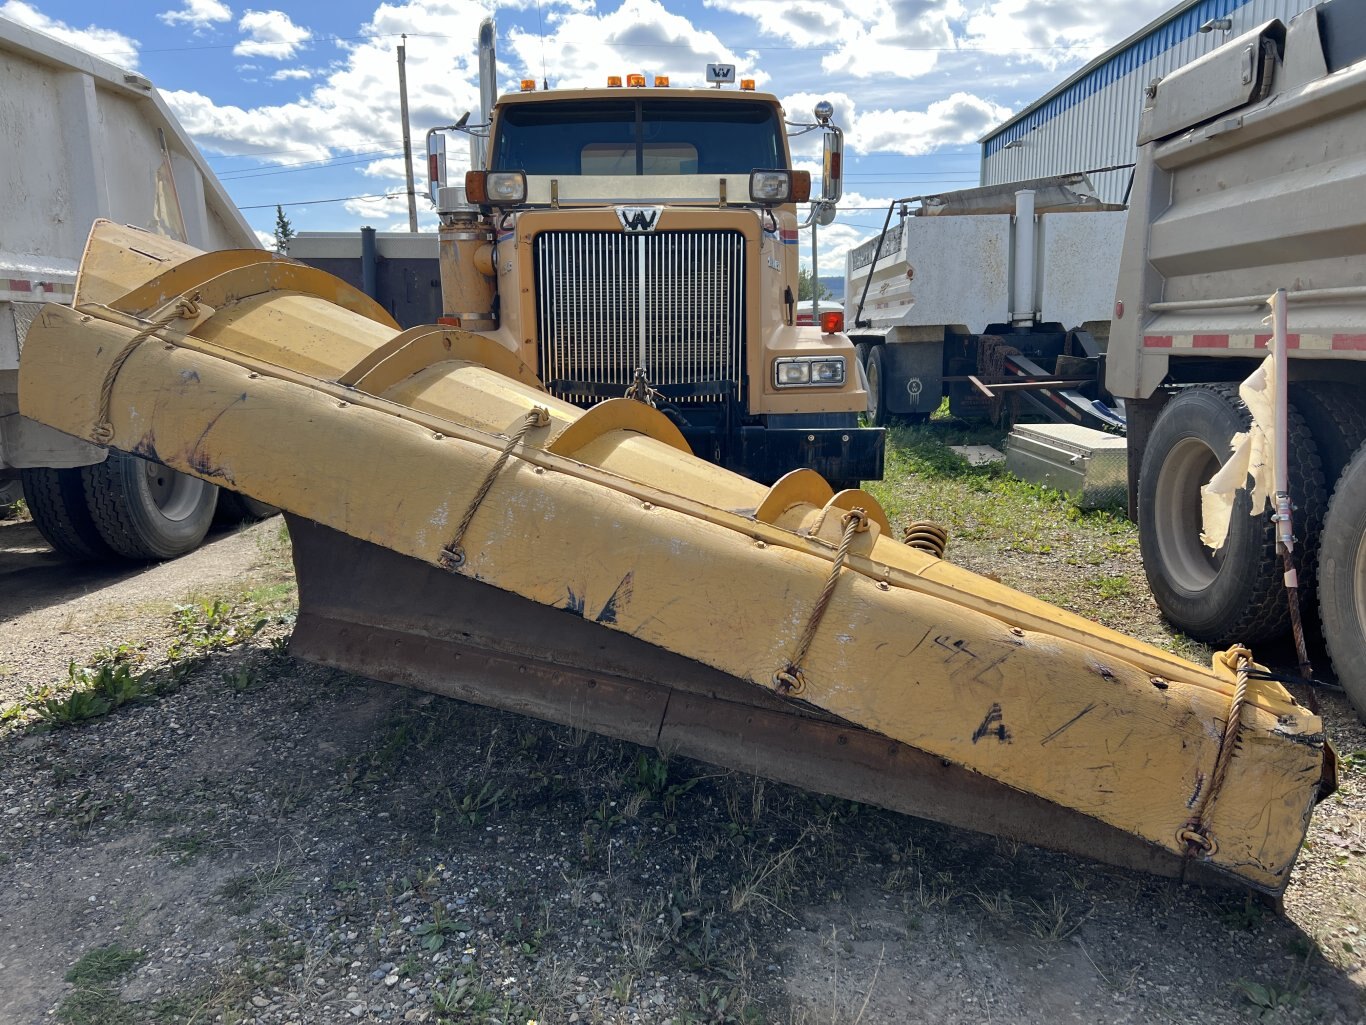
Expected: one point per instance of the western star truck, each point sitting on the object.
(641, 239)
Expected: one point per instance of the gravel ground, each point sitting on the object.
(255, 839)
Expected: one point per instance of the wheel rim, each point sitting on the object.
(176, 495)
(1190, 564)
(1358, 584)
(874, 390)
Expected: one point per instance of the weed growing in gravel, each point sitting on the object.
(1266, 998)
(93, 693)
(435, 932)
(244, 891)
(464, 999)
(1055, 920)
(96, 1000)
(207, 626)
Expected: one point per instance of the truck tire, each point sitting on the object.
(1342, 581)
(144, 510)
(1336, 418)
(878, 415)
(234, 509)
(56, 500)
(1235, 594)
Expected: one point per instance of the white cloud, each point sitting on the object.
(582, 48)
(286, 133)
(864, 38)
(1054, 32)
(266, 238)
(389, 168)
(270, 34)
(198, 14)
(102, 42)
(353, 107)
(953, 121)
(290, 73)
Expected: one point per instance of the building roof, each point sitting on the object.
(1160, 35)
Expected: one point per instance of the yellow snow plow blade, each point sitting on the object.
(458, 529)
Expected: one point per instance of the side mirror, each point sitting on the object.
(832, 159)
(436, 164)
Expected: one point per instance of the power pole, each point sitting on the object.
(407, 136)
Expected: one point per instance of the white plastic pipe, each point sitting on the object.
(1022, 313)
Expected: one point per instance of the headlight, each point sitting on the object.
(770, 187)
(506, 187)
(811, 371)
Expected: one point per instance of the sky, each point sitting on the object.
(298, 104)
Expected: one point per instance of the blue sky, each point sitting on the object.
(297, 103)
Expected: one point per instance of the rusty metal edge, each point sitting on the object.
(367, 610)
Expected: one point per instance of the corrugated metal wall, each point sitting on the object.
(1094, 122)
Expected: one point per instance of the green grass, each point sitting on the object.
(1030, 537)
(95, 1000)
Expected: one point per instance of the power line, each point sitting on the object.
(339, 199)
(311, 166)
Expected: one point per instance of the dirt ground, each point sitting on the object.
(257, 839)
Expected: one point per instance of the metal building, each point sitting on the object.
(1090, 120)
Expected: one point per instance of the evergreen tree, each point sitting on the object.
(284, 231)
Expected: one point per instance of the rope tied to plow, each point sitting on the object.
(1195, 833)
(790, 678)
(186, 308)
(452, 557)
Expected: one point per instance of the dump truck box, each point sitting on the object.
(459, 529)
(85, 139)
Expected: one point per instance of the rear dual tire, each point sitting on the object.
(1235, 595)
(1342, 581)
(144, 510)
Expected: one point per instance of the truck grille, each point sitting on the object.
(672, 302)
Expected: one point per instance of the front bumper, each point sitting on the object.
(839, 454)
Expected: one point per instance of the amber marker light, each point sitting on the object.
(528, 85)
(613, 81)
(747, 85)
(661, 81)
(635, 81)
(476, 190)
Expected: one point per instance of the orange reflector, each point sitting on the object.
(747, 85)
(661, 81)
(801, 186)
(528, 85)
(476, 186)
(449, 321)
(635, 81)
(832, 321)
(613, 81)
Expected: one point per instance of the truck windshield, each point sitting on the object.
(638, 136)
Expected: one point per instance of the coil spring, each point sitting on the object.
(927, 536)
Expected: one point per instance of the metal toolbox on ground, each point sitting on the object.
(1090, 466)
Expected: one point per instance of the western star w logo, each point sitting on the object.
(636, 219)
